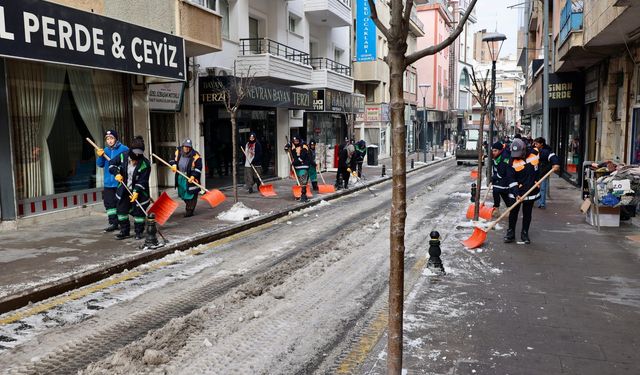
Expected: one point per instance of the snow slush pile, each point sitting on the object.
(238, 212)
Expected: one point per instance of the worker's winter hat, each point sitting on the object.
(518, 148)
(137, 145)
(312, 143)
(111, 133)
(497, 146)
(187, 143)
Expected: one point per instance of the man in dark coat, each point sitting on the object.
(499, 175)
(131, 169)
(548, 160)
(346, 163)
(300, 159)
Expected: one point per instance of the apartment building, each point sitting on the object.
(433, 73)
(73, 69)
(371, 76)
(297, 54)
(593, 102)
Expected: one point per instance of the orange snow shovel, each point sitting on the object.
(474, 174)
(163, 207)
(485, 211)
(324, 188)
(265, 190)
(214, 196)
(479, 235)
(297, 189)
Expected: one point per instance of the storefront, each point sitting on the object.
(567, 130)
(257, 113)
(376, 127)
(62, 89)
(328, 123)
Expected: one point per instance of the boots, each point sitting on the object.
(510, 236)
(303, 196)
(315, 185)
(125, 228)
(113, 224)
(139, 229)
(524, 235)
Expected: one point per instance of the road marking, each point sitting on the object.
(90, 289)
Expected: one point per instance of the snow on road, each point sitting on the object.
(304, 284)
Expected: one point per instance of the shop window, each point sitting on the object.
(53, 109)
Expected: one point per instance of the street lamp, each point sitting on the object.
(424, 87)
(494, 44)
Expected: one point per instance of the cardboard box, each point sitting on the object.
(609, 216)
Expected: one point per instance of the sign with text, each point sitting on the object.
(166, 96)
(565, 90)
(264, 94)
(365, 32)
(44, 31)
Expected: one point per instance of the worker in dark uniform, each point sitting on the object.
(313, 165)
(113, 148)
(522, 175)
(188, 161)
(300, 159)
(500, 158)
(548, 160)
(346, 163)
(132, 168)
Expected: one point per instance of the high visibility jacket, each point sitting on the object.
(499, 175)
(194, 167)
(522, 175)
(140, 179)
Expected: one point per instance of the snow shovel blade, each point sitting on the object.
(471, 210)
(297, 191)
(486, 212)
(214, 197)
(163, 207)
(476, 240)
(267, 190)
(474, 174)
(326, 189)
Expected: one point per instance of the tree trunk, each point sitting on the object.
(480, 148)
(234, 166)
(398, 211)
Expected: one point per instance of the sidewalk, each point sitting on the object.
(568, 303)
(50, 258)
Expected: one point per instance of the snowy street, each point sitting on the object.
(287, 297)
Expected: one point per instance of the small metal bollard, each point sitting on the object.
(435, 263)
(411, 163)
(384, 170)
(151, 240)
(474, 190)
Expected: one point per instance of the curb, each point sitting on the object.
(48, 290)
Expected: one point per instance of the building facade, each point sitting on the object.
(73, 69)
(594, 106)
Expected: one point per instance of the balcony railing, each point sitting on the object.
(254, 46)
(319, 63)
(570, 18)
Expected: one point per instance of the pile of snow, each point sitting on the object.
(238, 212)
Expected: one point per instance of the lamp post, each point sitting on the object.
(424, 87)
(494, 44)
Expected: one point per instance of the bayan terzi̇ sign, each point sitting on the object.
(43, 31)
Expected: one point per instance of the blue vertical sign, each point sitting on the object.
(365, 32)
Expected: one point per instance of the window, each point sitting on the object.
(224, 12)
(294, 23)
(337, 55)
(209, 4)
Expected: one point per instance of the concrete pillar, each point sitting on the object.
(282, 130)
(141, 126)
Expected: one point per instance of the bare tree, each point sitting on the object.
(234, 94)
(398, 61)
(482, 94)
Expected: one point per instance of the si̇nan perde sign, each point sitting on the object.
(43, 31)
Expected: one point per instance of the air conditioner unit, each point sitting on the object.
(296, 114)
(219, 71)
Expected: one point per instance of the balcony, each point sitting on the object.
(415, 25)
(570, 19)
(331, 13)
(330, 74)
(265, 58)
(371, 71)
(200, 28)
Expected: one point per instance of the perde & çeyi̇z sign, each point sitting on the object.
(43, 31)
